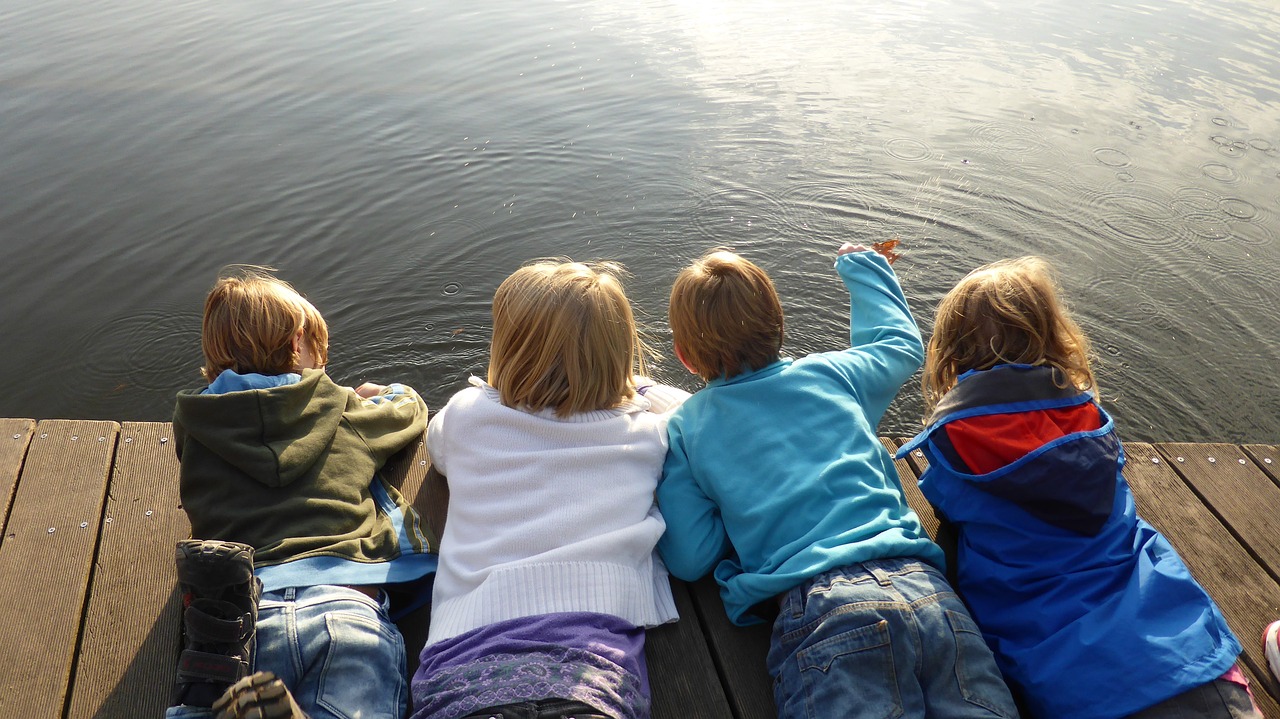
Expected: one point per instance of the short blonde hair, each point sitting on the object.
(725, 316)
(564, 337)
(250, 320)
(1007, 312)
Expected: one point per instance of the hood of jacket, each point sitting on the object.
(274, 435)
(1030, 429)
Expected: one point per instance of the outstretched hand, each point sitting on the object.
(369, 389)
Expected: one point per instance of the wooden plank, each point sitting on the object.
(407, 471)
(739, 654)
(46, 562)
(1266, 456)
(1247, 595)
(682, 672)
(1240, 494)
(15, 436)
(910, 468)
(129, 647)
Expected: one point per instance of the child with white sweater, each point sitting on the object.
(547, 573)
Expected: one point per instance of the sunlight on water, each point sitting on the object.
(397, 159)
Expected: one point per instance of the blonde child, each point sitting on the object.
(1090, 611)
(775, 480)
(279, 480)
(547, 571)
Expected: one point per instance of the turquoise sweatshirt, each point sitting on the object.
(777, 475)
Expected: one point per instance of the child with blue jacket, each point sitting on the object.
(1090, 611)
(776, 481)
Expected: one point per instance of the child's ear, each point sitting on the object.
(683, 361)
(296, 342)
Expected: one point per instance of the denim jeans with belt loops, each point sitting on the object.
(335, 648)
(880, 639)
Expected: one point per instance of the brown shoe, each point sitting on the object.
(258, 696)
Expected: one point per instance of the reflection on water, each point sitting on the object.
(397, 159)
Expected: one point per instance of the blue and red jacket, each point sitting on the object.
(1089, 610)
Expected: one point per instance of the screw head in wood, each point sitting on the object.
(83, 525)
(1212, 460)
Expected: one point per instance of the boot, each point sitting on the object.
(259, 696)
(220, 615)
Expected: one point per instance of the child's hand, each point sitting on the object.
(369, 389)
(848, 247)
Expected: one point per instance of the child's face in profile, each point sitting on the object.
(306, 358)
(303, 341)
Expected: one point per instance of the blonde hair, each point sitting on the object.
(1007, 312)
(250, 320)
(725, 316)
(564, 337)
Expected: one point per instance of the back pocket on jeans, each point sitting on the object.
(364, 667)
(851, 669)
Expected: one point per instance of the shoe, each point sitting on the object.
(1271, 647)
(220, 615)
(258, 696)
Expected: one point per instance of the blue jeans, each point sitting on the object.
(885, 638)
(336, 650)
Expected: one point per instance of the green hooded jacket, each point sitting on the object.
(292, 471)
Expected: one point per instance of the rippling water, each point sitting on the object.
(397, 159)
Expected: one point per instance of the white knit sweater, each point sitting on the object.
(549, 514)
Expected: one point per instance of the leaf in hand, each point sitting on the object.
(886, 249)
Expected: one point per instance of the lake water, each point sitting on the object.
(397, 159)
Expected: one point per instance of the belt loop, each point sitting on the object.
(882, 577)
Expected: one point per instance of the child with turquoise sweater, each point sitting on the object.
(775, 481)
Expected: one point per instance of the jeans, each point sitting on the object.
(544, 709)
(1219, 699)
(885, 638)
(336, 650)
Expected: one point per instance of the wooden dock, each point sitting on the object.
(89, 611)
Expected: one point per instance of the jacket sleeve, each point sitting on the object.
(390, 420)
(695, 540)
(663, 399)
(884, 342)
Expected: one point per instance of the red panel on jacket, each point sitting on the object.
(992, 441)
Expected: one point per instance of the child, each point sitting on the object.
(279, 480)
(1089, 610)
(548, 574)
(776, 480)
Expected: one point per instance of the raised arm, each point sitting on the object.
(884, 342)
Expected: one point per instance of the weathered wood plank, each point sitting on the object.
(1266, 456)
(909, 470)
(1240, 494)
(407, 472)
(739, 654)
(1247, 595)
(682, 673)
(129, 647)
(46, 562)
(15, 436)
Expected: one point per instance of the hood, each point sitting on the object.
(274, 435)
(1013, 432)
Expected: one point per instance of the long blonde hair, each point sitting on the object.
(564, 337)
(1007, 312)
(250, 319)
